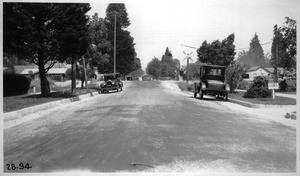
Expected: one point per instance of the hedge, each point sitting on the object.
(15, 84)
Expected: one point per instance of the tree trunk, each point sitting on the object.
(73, 76)
(82, 83)
(84, 71)
(45, 88)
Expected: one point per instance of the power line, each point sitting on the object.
(249, 47)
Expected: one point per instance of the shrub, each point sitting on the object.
(259, 89)
(57, 77)
(244, 85)
(283, 86)
(291, 85)
(186, 87)
(15, 84)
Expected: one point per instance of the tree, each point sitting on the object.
(125, 51)
(256, 53)
(153, 67)
(278, 51)
(243, 59)
(233, 75)
(81, 75)
(45, 33)
(284, 39)
(217, 53)
(289, 39)
(98, 50)
(137, 64)
(137, 73)
(169, 66)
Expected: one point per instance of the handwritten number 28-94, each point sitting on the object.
(16, 167)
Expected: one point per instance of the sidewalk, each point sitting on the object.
(276, 94)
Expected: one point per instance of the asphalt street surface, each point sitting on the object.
(146, 128)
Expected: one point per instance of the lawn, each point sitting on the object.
(239, 96)
(268, 101)
(13, 103)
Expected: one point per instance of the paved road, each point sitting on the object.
(147, 128)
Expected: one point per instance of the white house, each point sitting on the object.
(253, 72)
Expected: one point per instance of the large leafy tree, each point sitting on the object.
(289, 32)
(256, 53)
(169, 66)
(99, 47)
(217, 53)
(284, 39)
(125, 51)
(45, 33)
(153, 67)
(233, 75)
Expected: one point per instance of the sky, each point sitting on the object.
(158, 24)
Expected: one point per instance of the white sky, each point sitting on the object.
(157, 24)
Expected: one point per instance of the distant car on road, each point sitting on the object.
(111, 82)
(212, 82)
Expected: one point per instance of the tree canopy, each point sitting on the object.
(166, 67)
(153, 67)
(254, 57)
(285, 38)
(217, 53)
(126, 61)
(256, 53)
(45, 33)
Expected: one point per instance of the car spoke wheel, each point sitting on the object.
(226, 96)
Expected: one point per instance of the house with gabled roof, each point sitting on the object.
(32, 71)
(255, 71)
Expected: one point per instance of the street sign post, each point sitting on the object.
(273, 86)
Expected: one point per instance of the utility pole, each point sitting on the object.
(188, 57)
(276, 64)
(115, 39)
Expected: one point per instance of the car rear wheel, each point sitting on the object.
(226, 96)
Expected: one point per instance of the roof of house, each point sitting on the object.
(57, 71)
(27, 71)
(20, 68)
(268, 69)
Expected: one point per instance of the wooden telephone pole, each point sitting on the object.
(115, 40)
(188, 57)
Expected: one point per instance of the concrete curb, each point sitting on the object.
(27, 111)
(251, 105)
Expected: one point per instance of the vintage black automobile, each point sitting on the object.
(111, 82)
(212, 82)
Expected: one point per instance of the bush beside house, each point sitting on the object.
(259, 89)
(15, 84)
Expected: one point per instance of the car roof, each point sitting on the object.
(213, 66)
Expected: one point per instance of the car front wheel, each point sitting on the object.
(195, 92)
